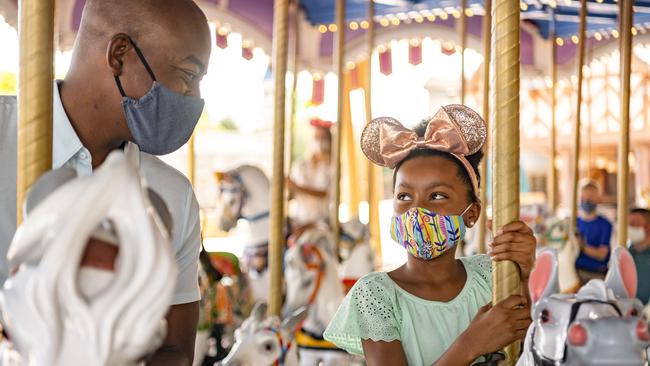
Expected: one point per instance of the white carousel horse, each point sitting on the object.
(356, 252)
(265, 341)
(58, 312)
(599, 325)
(244, 193)
(312, 279)
(557, 236)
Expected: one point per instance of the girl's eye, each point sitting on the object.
(437, 196)
(404, 197)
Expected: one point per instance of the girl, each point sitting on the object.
(435, 309)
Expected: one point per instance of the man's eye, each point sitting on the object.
(190, 76)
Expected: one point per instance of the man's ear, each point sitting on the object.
(118, 46)
(472, 215)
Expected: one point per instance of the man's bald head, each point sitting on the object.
(141, 19)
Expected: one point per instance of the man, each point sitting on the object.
(594, 234)
(639, 236)
(310, 179)
(134, 76)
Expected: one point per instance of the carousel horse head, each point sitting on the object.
(356, 252)
(311, 275)
(58, 307)
(243, 193)
(263, 340)
(599, 325)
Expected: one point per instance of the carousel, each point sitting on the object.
(562, 85)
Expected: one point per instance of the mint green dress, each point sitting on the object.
(376, 308)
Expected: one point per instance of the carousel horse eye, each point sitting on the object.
(545, 316)
(268, 347)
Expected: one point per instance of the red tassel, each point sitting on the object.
(247, 53)
(415, 53)
(385, 61)
(318, 90)
(448, 48)
(222, 38)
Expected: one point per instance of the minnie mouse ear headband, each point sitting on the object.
(454, 129)
(316, 122)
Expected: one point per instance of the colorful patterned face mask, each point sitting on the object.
(425, 234)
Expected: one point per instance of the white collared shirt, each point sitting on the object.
(68, 150)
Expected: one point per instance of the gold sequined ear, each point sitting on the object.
(371, 139)
(471, 125)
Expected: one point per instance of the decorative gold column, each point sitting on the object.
(576, 130)
(487, 51)
(463, 45)
(552, 181)
(374, 172)
(191, 159)
(505, 147)
(36, 32)
(339, 66)
(280, 40)
(623, 201)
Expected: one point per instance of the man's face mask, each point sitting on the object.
(636, 234)
(425, 234)
(162, 120)
(588, 207)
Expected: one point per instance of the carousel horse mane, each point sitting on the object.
(51, 320)
(599, 325)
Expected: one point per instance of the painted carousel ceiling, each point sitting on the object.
(602, 15)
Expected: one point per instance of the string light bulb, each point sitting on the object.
(322, 28)
(395, 21)
(523, 6)
(575, 39)
(559, 41)
(634, 31)
(354, 25)
(384, 22)
(615, 33)
(431, 18)
(364, 24)
(598, 36)
(333, 27)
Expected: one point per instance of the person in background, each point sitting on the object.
(310, 179)
(594, 235)
(638, 235)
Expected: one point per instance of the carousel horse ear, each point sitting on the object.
(291, 322)
(46, 184)
(622, 276)
(543, 279)
(259, 311)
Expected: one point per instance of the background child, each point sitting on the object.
(435, 309)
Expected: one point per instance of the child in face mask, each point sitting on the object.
(435, 309)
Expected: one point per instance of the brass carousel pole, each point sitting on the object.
(291, 133)
(373, 207)
(576, 130)
(487, 51)
(191, 159)
(552, 184)
(624, 142)
(36, 74)
(280, 40)
(339, 66)
(463, 44)
(505, 147)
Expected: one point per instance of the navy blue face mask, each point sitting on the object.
(161, 121)
(588, 207)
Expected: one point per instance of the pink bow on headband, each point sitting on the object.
(454, 129)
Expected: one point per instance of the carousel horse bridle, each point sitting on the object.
(244, 195)
(285, 347)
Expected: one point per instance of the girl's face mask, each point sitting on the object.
(425, 234)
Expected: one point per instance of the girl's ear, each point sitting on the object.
(471, 216)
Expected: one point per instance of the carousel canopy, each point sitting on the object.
(541, 13)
